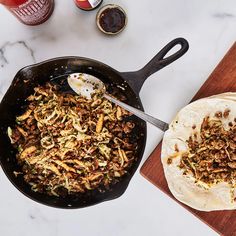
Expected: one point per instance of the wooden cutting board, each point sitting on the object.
(223, 79)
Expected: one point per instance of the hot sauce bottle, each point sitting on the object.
(30, 12)
(88, 5)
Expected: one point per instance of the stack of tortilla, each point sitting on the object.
(185, 187)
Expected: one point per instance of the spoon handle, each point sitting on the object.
(156, 122)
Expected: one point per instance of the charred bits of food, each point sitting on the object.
(211, 156)
(69, 144)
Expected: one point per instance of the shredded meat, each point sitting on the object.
(212, 159)
(69, 144)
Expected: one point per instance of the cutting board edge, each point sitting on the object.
(190, 211)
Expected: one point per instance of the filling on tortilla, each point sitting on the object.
(211, 155)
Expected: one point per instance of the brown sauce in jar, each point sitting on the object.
(112, 20)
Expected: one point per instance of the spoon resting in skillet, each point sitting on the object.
(86, 85)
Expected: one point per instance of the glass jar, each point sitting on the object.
(30, 12)
(88, 5)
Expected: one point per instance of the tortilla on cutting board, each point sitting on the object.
(226, 96)
(184, 183)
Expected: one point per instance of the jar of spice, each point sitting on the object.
(88, 5)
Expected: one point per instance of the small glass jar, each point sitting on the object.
(88, 5)
(111, 19)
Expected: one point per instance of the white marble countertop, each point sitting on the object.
(210, 28)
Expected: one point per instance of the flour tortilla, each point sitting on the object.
(226, 96)
(198, 196)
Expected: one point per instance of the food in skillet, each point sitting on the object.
(199, 154)
(69, 144)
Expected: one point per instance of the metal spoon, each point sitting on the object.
(86, 85)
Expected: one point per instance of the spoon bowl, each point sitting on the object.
(85, 85)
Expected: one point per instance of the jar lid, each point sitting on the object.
(111, 19)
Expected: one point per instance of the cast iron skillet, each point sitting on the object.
(31, 76)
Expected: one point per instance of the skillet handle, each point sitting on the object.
(137, 78)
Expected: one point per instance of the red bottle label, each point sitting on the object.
(87, 4)
(33, 12)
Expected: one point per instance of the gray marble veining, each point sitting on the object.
(5, 46)
(223, 15)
